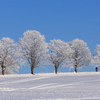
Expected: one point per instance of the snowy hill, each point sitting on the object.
(48, 86)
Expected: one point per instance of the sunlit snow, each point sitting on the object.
(48, 86)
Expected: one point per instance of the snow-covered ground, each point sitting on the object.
(48, 86)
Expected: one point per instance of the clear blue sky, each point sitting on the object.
(55, 19)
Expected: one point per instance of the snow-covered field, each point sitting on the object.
(48, 86)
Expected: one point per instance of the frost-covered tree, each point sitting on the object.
(81, 54)
(8, 57)
(96, 57)
(59, 52)
(33, 49)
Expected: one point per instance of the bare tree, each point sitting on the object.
(33, 49)
(59, 52)
(81, 54)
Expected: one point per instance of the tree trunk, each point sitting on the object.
(76, 69)
(76, 64)
(56, 70)
(32, 70)
(3, 72)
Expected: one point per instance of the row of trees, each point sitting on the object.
(32, 50)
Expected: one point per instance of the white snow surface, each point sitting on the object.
(48, 86)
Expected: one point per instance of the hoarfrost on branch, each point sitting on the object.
(33, 49)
